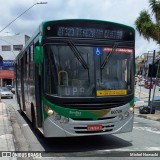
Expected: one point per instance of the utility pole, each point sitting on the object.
(153, 107)
(150, 86)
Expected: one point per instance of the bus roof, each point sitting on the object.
(87, 20)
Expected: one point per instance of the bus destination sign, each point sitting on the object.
(80, 32)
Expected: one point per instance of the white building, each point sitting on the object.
(10, 46)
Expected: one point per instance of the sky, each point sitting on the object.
(120, 11)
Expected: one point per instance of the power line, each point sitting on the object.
(21, 15)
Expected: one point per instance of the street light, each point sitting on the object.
(21, 15)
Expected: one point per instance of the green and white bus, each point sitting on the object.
(76, 78)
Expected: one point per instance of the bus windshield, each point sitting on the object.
(87, 71)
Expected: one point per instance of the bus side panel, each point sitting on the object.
(26, 83)
(31, 81)
(18, 83)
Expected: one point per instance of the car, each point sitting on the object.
(5, 93)
(148, 84)
(13, 90)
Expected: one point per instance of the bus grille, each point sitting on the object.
(90, 119)
(94, 106)
(83, 130)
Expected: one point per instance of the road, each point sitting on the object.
(144, 137)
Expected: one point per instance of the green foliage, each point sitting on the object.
(155, 7)
(144, 24)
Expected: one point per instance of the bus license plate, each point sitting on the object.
(95, 127)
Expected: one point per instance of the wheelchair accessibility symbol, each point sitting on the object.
(98, 51)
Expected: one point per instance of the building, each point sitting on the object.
(144, 62)
(10, 46)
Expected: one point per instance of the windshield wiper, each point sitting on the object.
(109, 56)
(77, 54)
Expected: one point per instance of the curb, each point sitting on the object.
(147, 117)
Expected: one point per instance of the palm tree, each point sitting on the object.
(155, 6)
(144, 24)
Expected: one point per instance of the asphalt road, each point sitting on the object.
(144, 137)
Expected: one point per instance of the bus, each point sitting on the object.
(75, 77)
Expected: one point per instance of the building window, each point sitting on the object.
(6, 48)
(17, 47)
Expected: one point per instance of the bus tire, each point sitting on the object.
(33, 117)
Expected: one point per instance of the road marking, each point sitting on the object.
(149, 129)
(135, 122)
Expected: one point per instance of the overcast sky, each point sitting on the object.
(120, 11)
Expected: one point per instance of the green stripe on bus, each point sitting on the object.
(75, 113)
(132, 102)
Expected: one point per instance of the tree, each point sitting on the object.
(146, 27)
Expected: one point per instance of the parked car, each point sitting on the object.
(13, 90)
(5, 93)
(148, 84)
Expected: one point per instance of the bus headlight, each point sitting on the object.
(132, 108)
(50, 112)
(120, 117)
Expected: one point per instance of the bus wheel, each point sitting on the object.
(33, 117)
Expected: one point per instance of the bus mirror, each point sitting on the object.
(38, 55)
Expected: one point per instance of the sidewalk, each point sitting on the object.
(155, 117)
(6, 131)
(144, 101)
(141, 95)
